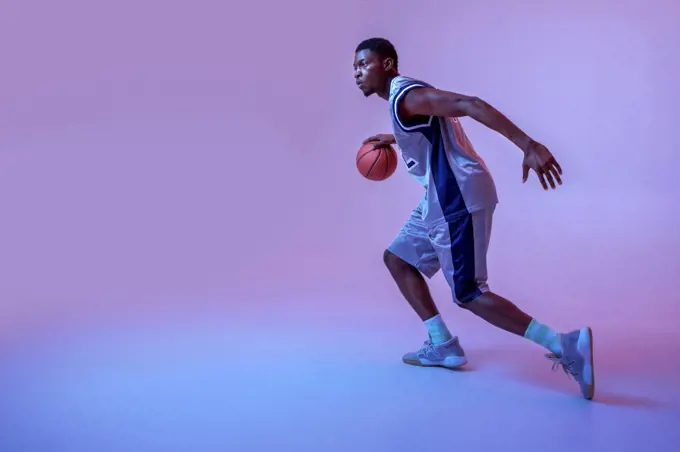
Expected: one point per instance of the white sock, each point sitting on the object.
(544, 335)
(437, 329)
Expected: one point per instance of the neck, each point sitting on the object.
(385, 91)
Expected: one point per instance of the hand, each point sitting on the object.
(538, 158)
(381, 141)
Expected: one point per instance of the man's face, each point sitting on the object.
(369, 71)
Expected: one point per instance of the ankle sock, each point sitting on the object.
(544, 335)
(437, 330)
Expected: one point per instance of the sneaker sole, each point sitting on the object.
(453, 362)
(586, 349)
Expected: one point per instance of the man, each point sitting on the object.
(450, 228)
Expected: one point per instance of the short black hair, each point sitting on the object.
(381, 46)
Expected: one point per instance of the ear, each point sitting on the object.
(388, 64)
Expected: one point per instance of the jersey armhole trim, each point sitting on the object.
(395, 108)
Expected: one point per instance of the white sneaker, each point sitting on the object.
(577, 359)
(448, 354)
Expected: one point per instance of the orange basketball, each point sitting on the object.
(376, 164)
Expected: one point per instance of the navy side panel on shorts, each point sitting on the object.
(463, 255)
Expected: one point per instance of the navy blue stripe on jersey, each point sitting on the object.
(458, 217)
(412, 124)
(448, 191)
(465, 286)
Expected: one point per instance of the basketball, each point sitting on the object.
(376, 164)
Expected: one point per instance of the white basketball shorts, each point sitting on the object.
(458, 247)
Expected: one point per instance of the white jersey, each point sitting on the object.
(440, 157)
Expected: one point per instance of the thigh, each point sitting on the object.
(461, 246)
(412, 244)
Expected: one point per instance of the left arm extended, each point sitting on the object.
(434, 102)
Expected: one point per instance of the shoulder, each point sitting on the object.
(407, 122)
(401, 84)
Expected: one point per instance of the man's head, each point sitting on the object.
(375, 64)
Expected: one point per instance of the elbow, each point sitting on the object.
(477, 102)
(471, 106)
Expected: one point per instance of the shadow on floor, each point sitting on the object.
(527, 364)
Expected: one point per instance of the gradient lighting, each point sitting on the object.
(191, 262)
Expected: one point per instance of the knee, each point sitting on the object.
(466, 292)
(393, 262)
(467, 305)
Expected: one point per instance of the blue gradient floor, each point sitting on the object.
(214, 387)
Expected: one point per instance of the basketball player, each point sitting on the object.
(451, 226)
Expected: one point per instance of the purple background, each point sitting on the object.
(185, 242)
